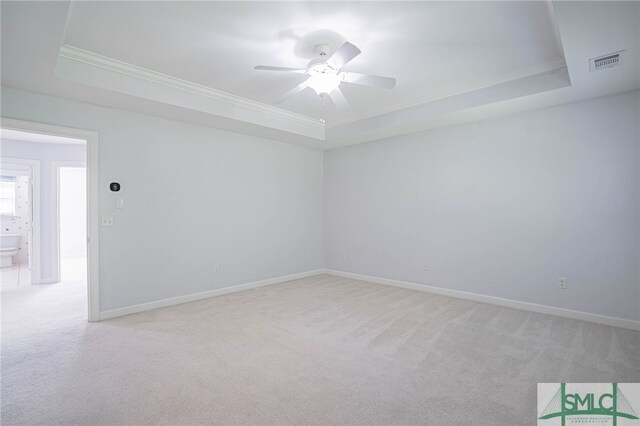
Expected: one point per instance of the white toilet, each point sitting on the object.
(9, 245)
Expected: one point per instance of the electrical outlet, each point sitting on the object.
(216, 269)
(562, 283)
(107, 220)
(426, 266)
(344, 256)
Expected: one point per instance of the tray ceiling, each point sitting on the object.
(194, 61)
(433, 49)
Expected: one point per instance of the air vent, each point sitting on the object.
(606, 61)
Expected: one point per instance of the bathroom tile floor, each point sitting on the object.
(16, 276)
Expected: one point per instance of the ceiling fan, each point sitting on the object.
(326, 75)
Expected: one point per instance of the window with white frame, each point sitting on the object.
(7, 195)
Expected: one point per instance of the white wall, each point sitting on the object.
(73, 212)
(194, 197)
(47, 154)
(502, 207)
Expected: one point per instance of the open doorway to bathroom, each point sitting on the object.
(16, 222)
(48, 194)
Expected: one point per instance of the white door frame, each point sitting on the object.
(55, 181)
(93, 206)
(33, 166)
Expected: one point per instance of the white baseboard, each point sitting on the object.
(509, 303)
(134, 309)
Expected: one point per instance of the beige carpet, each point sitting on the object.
(321, 350)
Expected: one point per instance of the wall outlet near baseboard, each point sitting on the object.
(344, 256)
(216, 269)
(426, 266)
(562, 283)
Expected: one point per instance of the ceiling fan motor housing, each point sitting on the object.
(323, 49)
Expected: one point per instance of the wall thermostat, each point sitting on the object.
(114, 186)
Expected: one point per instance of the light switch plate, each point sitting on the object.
(119, 203)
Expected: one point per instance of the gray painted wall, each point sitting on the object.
(194, 197)
(502, 207)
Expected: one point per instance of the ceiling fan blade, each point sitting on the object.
(269, 68)
(299, 88)
(369, 80)
(338, 99)
(343, 55)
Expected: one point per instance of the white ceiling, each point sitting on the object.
(454, 61)
(431, 48)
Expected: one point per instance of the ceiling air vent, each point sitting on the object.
(606, 61)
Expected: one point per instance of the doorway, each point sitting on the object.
(68, 248)
(16, 221)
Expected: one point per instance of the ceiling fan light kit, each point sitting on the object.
(323, 79)
(325, 74)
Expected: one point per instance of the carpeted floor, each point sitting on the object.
(321, 350)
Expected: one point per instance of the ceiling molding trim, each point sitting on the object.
(551, 66)
(90, 58)
(428, 115)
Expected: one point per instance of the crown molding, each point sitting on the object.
(449, 110)
(78, 55)
(551, 66)
(459, 89)
(86, 67)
